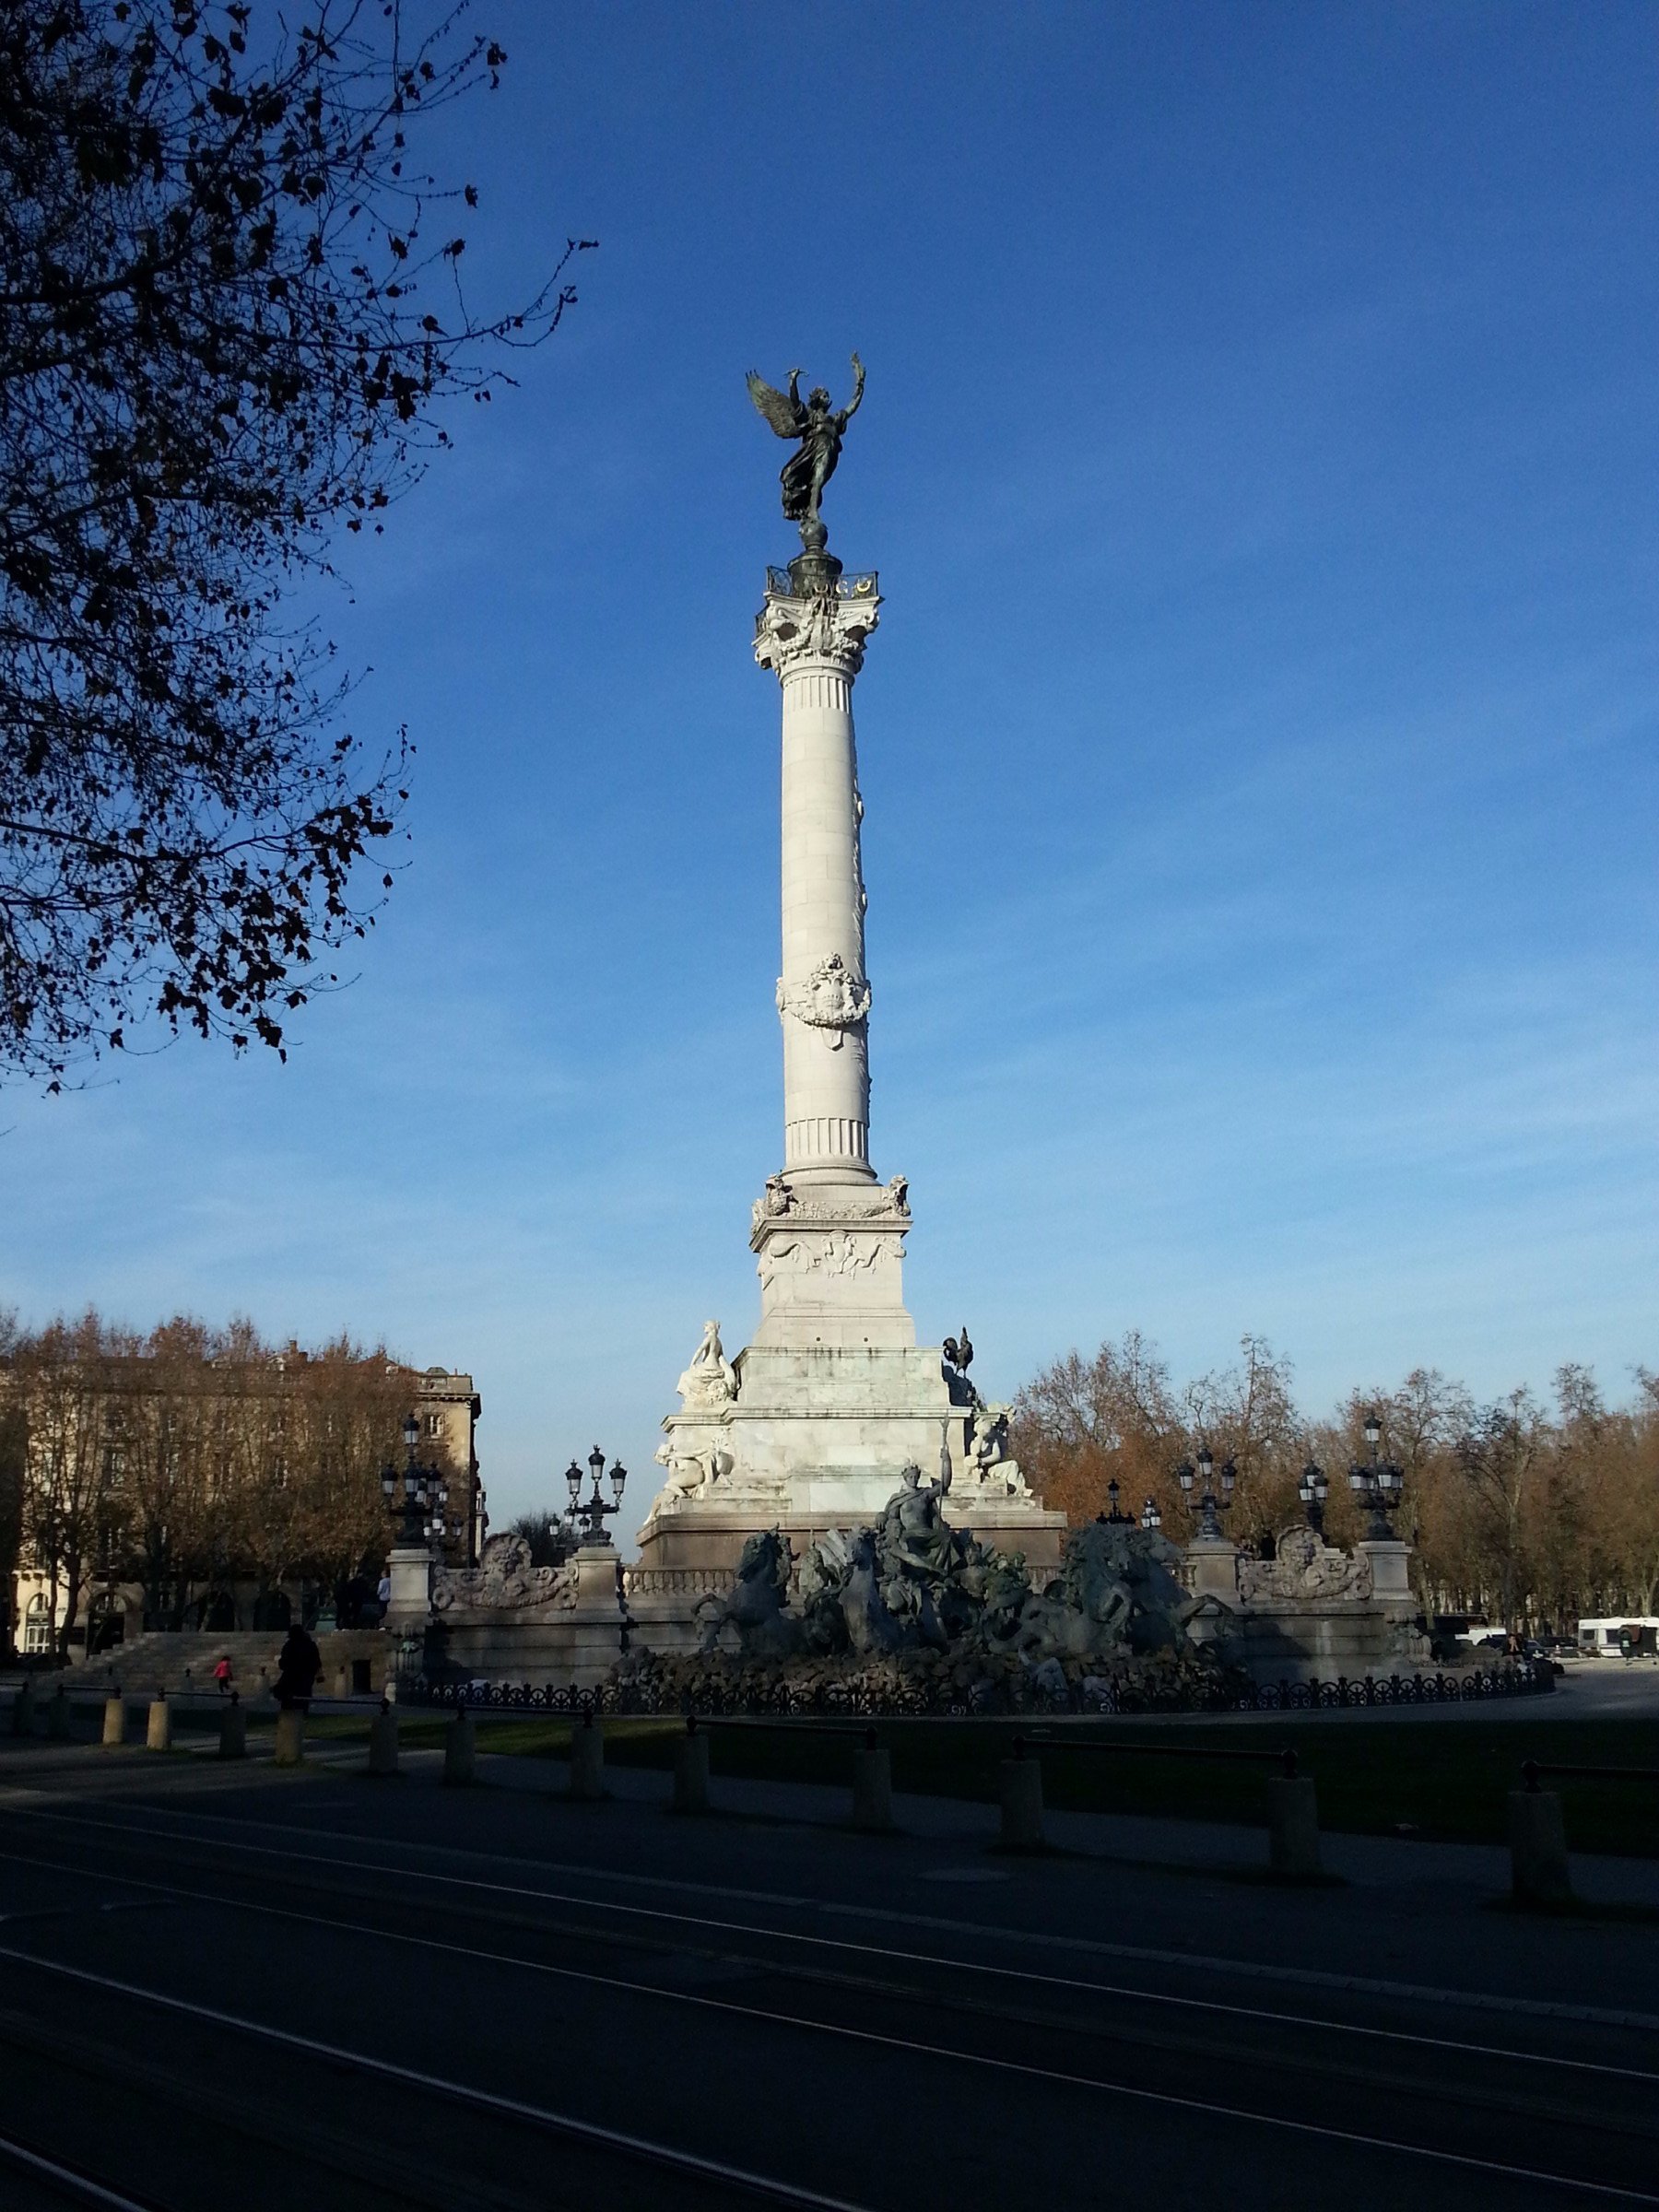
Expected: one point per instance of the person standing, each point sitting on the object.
(222, 1674)
(297, 1666)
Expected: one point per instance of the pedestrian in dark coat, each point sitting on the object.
(298, 1664)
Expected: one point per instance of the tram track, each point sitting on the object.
(636, 1918)
(1461, 2097)
(64, 2184)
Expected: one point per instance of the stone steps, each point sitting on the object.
(174, 1659)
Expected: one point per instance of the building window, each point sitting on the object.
(36, 1627)
(434, 1423)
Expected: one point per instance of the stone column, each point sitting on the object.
(815, 646)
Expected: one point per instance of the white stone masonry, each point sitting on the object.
(811, 1426)
(816, 648)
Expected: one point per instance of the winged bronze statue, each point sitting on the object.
(819, 426)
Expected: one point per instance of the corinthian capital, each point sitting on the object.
(829, 631)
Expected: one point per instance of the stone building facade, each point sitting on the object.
(109, 1608)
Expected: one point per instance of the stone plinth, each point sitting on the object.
(409, 1570)
(1310, 1610)
(577, 1640)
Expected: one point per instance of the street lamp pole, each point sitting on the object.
(1313, 1489)
(423, 1495)
(593, 1514)
(1209, 1506)
(1376, 1483)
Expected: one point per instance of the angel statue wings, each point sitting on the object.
(819, 426)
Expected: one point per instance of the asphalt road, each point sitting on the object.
(226, 1987)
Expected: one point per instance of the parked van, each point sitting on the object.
(1605, 1638)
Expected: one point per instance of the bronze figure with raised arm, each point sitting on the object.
(819, 426)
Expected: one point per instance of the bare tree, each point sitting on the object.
(1082, 1424)
(1246, 1413)
(225, 320)
(1499, 1457)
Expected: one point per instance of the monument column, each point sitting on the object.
(811, 633)
(811, 1426)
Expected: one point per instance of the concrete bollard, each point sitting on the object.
(460, 1749)
(1021, 1802)
(60, 1720)
(383, 1741)
(342, 1683)
(1538, 1871)
(690, 1772)
(23, 1707)
(158, 1735)
(233, 1730)
(587, 1759)
(1293, 1828)
(291, 1737)
(114, 1728)
(872, 1791)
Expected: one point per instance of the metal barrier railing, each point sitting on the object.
(1531, 1768)
(1285, 1760)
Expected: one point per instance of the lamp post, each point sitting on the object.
(593, 1513)
(1150, 1516)
(1114, 1518)
(425, 1494)
(1209, 1506)
(1313, 1489)
(1377, 1483)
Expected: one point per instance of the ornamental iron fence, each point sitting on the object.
(863, 1697)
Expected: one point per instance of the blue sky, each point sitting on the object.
(1258, 746)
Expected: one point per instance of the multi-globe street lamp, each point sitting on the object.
(1376, 1483)
(425, 1493)
(1313, 1489)
(1150, 1516)
(593, 1513)
(1209, 1506)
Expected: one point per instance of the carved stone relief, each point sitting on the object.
(832, 997)
(503, 1581)
(1304, 1567)
(827, 630)
(837, 1253)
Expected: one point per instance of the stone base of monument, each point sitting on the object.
(574, 1638)
(1311, 1612)
(685, 1559)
